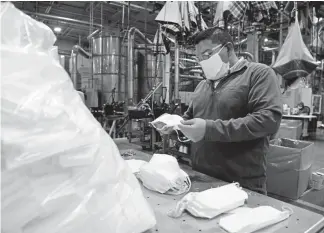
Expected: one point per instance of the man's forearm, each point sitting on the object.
(253, 126)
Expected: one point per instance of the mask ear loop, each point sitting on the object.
(289, 210)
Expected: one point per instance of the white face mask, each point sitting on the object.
(214, 67)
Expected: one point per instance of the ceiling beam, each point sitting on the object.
(59, 18)
(48, 9)
(95, 5)
(134, 6)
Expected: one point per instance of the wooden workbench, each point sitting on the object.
(301, 221)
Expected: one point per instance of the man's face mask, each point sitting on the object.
(213, 67)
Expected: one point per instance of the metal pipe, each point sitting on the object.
(281, 21)
(55, 17)
(48, 9)
(192, 68)
(77, 49)
(74, 70)
(176, 71)
(128, 14)
(130, 41)
(188, 60)
(240, 42)
(102, 57)
(266, 49)
(273, 58)
(91, 43)
(123, 17)
(131, 5)
(190, 76)
(249, 55)
(239, 36)
(93, 34)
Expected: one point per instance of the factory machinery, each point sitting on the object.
(117, 101)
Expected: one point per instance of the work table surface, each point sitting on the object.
(300, 221)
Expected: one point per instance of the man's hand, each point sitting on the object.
(193, 129)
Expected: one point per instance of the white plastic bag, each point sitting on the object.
(163, 174)
(61, 172)
(253, 219)
(212, 202)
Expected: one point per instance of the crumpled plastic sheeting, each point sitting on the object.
(61, 172)
(294, 59)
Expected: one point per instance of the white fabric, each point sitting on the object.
(61, 172)
(167, 120)
(163, 174)
(251, 220)
(212, 202)
(170, 13)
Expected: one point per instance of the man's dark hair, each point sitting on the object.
(216, 34)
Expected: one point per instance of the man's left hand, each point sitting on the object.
(193, 129)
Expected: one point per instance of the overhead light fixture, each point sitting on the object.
(57, 29)
(266, 40)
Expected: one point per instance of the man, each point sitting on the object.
(232, 114)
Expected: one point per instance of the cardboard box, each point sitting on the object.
(289, 167)
(290, 129)
(317, 180)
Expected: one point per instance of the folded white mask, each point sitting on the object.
(251, 220)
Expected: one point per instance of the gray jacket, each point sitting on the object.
(242, 111)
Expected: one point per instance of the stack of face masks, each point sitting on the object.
(212, 202)
(163, 174)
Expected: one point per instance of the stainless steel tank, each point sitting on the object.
(154, 75)
(109, 67)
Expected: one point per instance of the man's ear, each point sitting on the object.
(230, 48)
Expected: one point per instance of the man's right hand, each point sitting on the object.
(166, 129)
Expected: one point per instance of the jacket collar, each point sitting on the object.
(239, 65)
